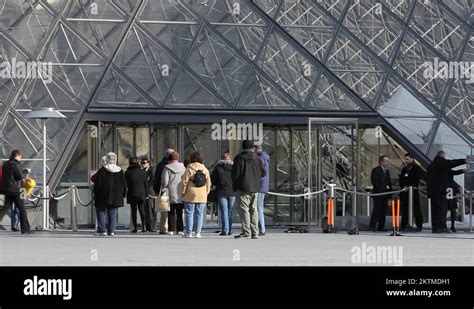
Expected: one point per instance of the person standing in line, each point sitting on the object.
(150, 212)
(14, 212)
(453, 202)
(110, 189)
(12, 182)
(381, 182)
(411, 175)
(264, 187)
(196, 186)
(437, 181)
(137, 192)
(247, 173)
(221, 178)
(172, 184)
(157, 186)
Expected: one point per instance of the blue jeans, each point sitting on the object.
(226, 205)
(261, 216)
(193, 216)
(111, 217)
(15, 217)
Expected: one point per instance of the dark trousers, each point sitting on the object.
(452, 206)
(439, 210)
(378, 213)
(150, 215)
(175, 218)
(20, 205)
(416, 209)
(141, 209)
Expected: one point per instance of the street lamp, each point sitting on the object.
(45, 114)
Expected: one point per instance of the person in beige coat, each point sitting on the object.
(196, 183)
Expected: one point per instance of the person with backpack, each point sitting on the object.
(171, 182)
(196, 186)
(222, 180)
(137, 192)
(247, 173)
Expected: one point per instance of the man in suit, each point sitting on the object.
(411, 175)
(381, 182)
(437, 181)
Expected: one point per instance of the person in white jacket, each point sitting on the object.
(172, 186)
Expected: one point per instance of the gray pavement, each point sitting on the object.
(63, 248)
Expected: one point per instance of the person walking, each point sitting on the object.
(12, 182)
(14, 211)
(437, 181)
(411, 175)
(196, 186)
(247, 173)
(452, 201)
(381, 182)
(110, 189)
(264, 187)
(150, 213)
(137, 192)
(157, 185)
(172, 185)
(221, 178)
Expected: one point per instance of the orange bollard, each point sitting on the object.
(329, 211)
(393, 214)
(332, 211)
(398, 214)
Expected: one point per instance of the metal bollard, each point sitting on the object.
(463, 204)
(368, 204)
(470, 211)
(410, 206)
(429, 212)
(343, 203)
(73, 208)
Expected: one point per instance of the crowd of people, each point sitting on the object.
(187, 185)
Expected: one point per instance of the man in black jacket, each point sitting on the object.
(149, 204)
(437, 181)
(11, 187)
(411, 175)
(381, 182)
(246, 173)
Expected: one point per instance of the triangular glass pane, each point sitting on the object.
(401, 103)
(450, 142)
(462, 8)
(147, 64)
(12, 72)
(115, 91)
(329, 95)
(218, 65)
(261, 94)
(460, 107)
(189, 93)
(415, 130)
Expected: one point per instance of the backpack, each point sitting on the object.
(199, 179)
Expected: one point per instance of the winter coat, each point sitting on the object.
(12, 178)
(191, 193)
(381, 181)
(158, 173)
(137, 186)
(221, 177)
(110, 187)
(265, 181)
(247, 172)
(171, 181)
(437, 175)
(411, 176)
(149, 180)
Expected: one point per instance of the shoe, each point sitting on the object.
(198, 235)
(261, 234)
(171, 233)
(241, 236)
(29, 232)
(254, 237)
(133, 231)
(180, 233)
(223, 234)
(112, 234)
(143, 231)
(188, 235)
(437, 231)
(453, 229)
(15, 230)
(419, 230)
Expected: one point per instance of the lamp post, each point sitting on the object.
(45, 114)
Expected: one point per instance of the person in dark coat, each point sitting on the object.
(247, 173)
(157, 187)
(437, 181)
(381, 182)
(12, 182)
(453, 202)
(264, 187)
(110, 189)
(411, 175)
(150, 212)
(137, 192)
(221, 178)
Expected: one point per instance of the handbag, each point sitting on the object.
(162, 203)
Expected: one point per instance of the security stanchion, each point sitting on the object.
(396, 217)
(330, 213)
